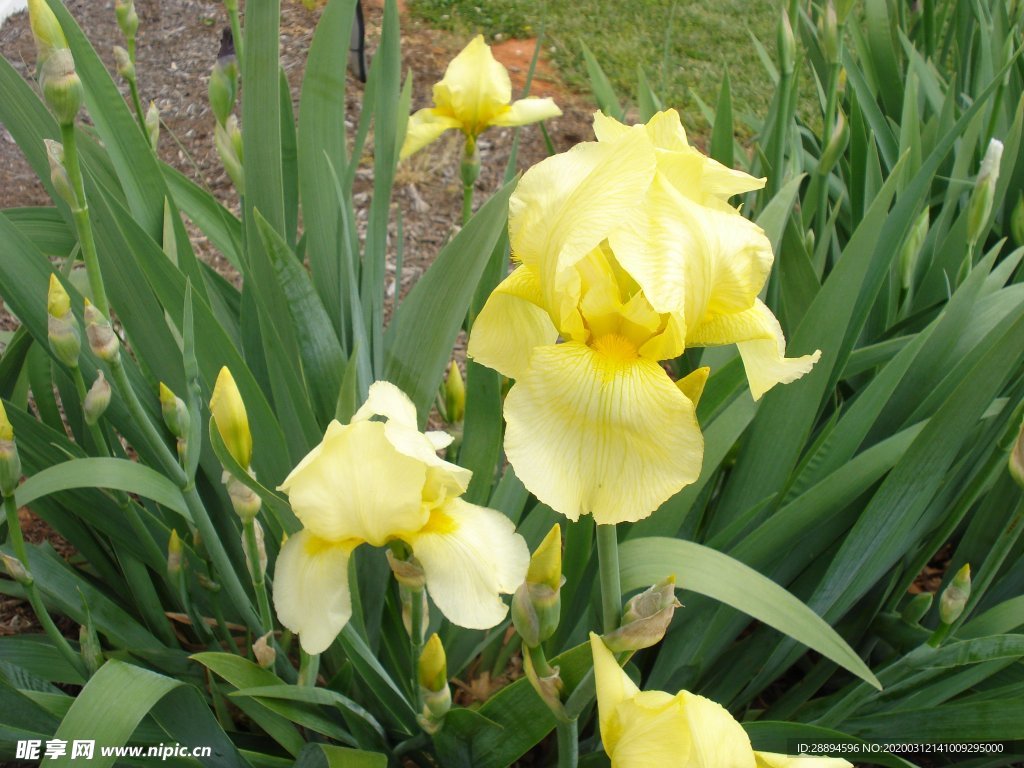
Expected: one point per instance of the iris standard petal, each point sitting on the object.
(613, 688)
(511, 324)
(471, 555)
(423, 127)
(357, 485)
(311, 593)
(526, 111)
(774, 760)
(716, 739)
(475, 87)
(387, 400)
(579, 432)
(762, 346)
(653, 732)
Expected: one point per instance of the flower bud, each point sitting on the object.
(152, 122)
(1017, 221)
(174, 554)
(89, 647)
(102, 340)
(537, 604)
(911, 250)
(261, 552)
(59, 173)
(229, 415)
(916, 609)
(244, 500)
(10, 462)
(61, 86)
(836, 144)
(432, 672)
(207, 583)
(16, 569)
(980, 205)
(62, 326)
(227, 139)
(408, 573)
(828, 29)
(45, 29)
(786, 44)
(454, 394)
(127, 18)
(97, 399)
(223, 89)
(123, 63)
(175, 412)
(645, 618)
(264, 652)
(1016, 461)
(548, 685)
(954, 597)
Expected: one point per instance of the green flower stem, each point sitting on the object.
(568, 744)
(467, 203)
(608, 565)
(35, 600)
(309, 668)
(140, 115)
(83, 224)
(236, 31)
(416, 619)
(259, 583)
(169, 462)
(831, 106)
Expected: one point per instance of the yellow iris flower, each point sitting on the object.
(373, 482)
(644, 728)
(628, 253)
(474, 94)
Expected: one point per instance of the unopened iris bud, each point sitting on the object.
(261, 553)
(244, 499)
(123, 63)
(645, 618)
(980, 205)
(96, 399)
(16, 569)
(916, 609)
(828, 27)
(409, 573)
(59, 173)
(10, 462)
(264, 652)
(175, 412)
(174, 554)
(432, 672)
(537, 604)
(223, 90)
(1017, 221)
(61, 325)
(836, 144)
(786, 44)
(152, 121)
(229, 415)
(45, 29)
(911, 250)
(955, 596)
(127, 18)
(89, 647)
(227, 138)
(102, 340)
(454, 394)
(61, 86)
(1016, 462)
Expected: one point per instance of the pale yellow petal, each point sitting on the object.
(356, 485)
(387, 400)
(475, 88)
(567, 204)
(311, 594)
(670, 342)
(717, 740)
(762, 346)
(774, 760)
(692, 385)
(653, 732)
(579, 433)
(471, 556)
(423, 127)
(666, 131)
(526, 111)
(511, 324)
(607, 128)
(613, 688)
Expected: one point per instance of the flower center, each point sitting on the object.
(615, 347)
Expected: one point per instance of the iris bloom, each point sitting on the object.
(644, 728)
(474, 94)
(374, 482)
(628, 253)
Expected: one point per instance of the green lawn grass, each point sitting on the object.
(682, 45)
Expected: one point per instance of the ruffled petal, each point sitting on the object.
(567, 204)
(774, 760)
(387, 400)
(613, 688)
(423, 127)
(471, 555)
(579, 433)
(717, 740)
(311, 593)
(758, 335)
(475, 87)
(356, 485)
(526, 111)
(511, 324)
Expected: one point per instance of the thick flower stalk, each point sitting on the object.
(474, 94)
(640, 729)
(378, 482)
(628, 253)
